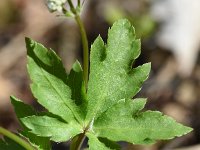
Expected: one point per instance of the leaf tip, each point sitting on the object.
(147, 67)
(125, 24)
(186, 130)
(99, 39)
(28, 41)
(14, 99)
(122, 21)
(77, 66)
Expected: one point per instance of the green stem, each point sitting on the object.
(84, 42)
(85, 49)
(15, 138)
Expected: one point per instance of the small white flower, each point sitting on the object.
(55, 5)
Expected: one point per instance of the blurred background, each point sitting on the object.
(170, 35)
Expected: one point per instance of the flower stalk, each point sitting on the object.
(84, 40)
(59, 5)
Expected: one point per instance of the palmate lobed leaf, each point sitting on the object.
(112, 83)
(111, 75)
(107, 113)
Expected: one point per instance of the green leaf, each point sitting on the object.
(23, 110)
(112, 114)
(111, 74)
(76, 83)
(119, 123)
(77, 86)
(49, 82)
(95, 144)
(109, 143)
(57, 130)
(9, 144)
(137, 104)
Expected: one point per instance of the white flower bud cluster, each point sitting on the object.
(56, 5)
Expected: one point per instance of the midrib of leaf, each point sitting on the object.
(76, 116)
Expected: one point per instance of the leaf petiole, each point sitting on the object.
(15, 138)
